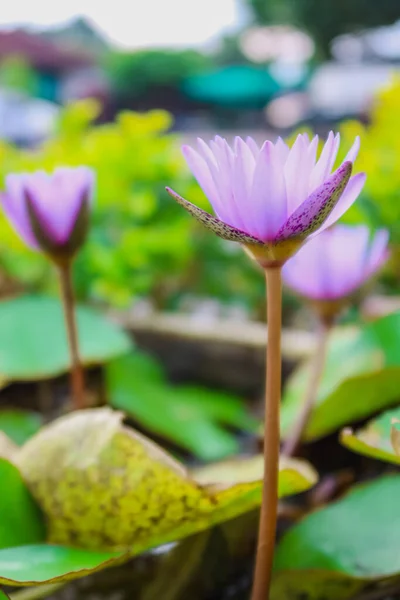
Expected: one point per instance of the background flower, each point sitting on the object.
(49, 210)
(334, 264)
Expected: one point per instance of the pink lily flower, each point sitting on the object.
(271, 199)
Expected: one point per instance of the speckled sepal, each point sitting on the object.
(223, 230)
(316, 209)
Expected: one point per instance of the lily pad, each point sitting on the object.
(39, 322)
(116, 494)
(341, 549)
(38, 563)
(20, 519)
(191, 417)
(361, 377)
(113, 488)
(20, 425)
(294, 474)
(375, 439)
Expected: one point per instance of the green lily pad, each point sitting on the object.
(38, 563)
(191, 417)
(39, 322)
(117, 493)
(339, 550)
(375, 439)
(20, 519)
(20, 425)
(361, 377)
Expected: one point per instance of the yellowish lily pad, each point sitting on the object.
(377, 439)
(114, 489)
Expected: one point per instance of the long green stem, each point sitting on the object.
(269, 506)
(317, 368)
(67, 293)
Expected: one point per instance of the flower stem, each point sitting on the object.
(67, 293)
(317, 368)
(269, 506)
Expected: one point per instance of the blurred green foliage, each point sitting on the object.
(141, 242)
(135, 73)
(16, 74)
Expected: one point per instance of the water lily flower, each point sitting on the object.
(50, 211)
(336, 263)
(270, 199)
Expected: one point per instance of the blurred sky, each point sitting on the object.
(135, 23)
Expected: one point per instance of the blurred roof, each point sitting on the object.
(41, 53)
(77, 34)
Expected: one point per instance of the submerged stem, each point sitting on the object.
(67, 293)
(317, 368)
(269, 506)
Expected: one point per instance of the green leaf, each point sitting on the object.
(3, 595)
(340, 549)
(374, 439)
(20, 519)
(361, 377)
(38, 563)
(191, 417)
(20, 425)
(39, 322)
(116, 491)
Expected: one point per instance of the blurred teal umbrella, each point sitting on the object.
(235, 85)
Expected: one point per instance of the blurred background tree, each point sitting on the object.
(17, 74)
(326, 20)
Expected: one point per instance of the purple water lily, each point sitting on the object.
(272, 198)
(336, 263)
(50, 212)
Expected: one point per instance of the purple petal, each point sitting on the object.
(225, 159)
(312, 213)
(282, 151)
(335, 263)
(297, 173)
(379, 252)
(312, 150)
(348, 256)
(242, 178)
(253, 146)
(200, 168)
(268, 205)
(349, 196)
(13, 202)
(325, 163)
(220, 228)
(352, 153)
(302, 273)
(57, 199)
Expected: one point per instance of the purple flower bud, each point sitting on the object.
(272, 198)
(336, 263)
(50, 212)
